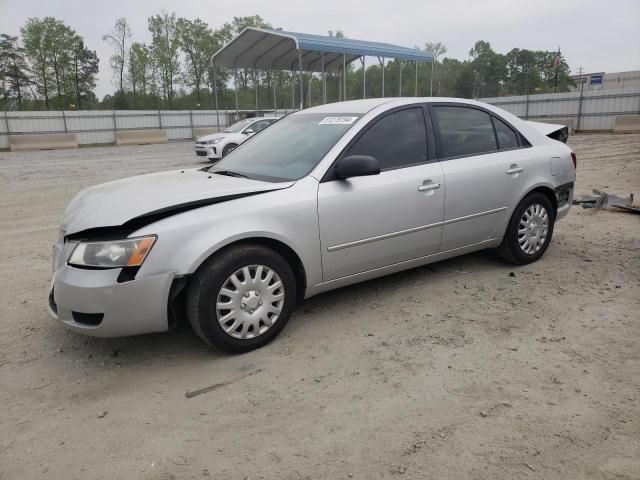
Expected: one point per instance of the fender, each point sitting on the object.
(187, 239)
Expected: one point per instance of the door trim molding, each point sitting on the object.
(408, 231)
(385, 236)
(474, 215)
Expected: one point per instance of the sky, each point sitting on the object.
(597, 35)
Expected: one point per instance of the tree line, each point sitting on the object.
(49, 67)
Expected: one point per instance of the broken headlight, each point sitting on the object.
(112, 254)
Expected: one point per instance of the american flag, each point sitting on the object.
(558, 60)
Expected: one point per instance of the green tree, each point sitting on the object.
(48, 46)
(118, 38)
(85, 69)
(490, 69)
(37, 51)
(13, 70)
(139, 70)
(436, 49)
(197, 43)
(165, 52)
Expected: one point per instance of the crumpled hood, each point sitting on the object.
(114, 203)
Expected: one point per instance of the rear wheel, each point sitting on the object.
(228, 149)
(529, 231)
(242, 298)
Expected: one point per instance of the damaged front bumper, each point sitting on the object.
(94, 303)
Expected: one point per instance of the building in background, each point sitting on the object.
(603, 81)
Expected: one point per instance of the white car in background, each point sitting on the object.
(217, 145)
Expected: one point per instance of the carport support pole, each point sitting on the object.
(400, 81)
(431, 80)
(381, 60)
(235, 88)
(275, 101)
(324, 83)
(255, 87)
(364, 80)
(300, 79)
(215, 97)
(344, 76)
(293, 92)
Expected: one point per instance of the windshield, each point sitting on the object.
(290, 148)
(238, 126)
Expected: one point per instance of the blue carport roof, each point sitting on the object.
(278, 49)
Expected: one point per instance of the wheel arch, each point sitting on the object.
(280, 247)
(548, 191)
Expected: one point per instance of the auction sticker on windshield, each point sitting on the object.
(337, 120)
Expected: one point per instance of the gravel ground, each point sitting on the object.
(468, 368)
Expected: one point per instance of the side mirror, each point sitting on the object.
(356, 166)
(248, 131)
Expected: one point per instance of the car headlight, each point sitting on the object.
(112, 254)
(211, 142)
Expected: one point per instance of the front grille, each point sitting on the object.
(201, 153)
(90, 319)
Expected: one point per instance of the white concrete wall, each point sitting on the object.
(598, 112)
(98, 126)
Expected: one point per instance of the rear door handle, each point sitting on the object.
(429, 186)
(514, 169)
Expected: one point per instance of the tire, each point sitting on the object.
(257, 309)
(228, 149)
(525, 241)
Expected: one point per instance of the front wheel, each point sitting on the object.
(529, 231)
(228, 149)
(242, 298)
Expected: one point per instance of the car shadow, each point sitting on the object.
(182, 346)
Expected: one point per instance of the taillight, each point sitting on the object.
(575, 161)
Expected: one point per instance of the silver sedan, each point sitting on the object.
(325, 197)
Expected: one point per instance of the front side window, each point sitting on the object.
(397, 140)
(464, 131)
(290, 149)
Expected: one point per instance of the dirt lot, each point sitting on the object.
(468, 368)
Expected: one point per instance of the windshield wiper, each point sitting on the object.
(229, 173)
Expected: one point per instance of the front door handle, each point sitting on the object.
(429, 186)
(514, 169)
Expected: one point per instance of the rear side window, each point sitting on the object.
(464, 131)
(397, 140)
(507, 138)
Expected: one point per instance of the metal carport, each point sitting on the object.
(264, 49)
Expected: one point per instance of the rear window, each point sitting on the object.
(464, 131)
(507, 138)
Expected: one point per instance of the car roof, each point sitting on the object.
(366, 105)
